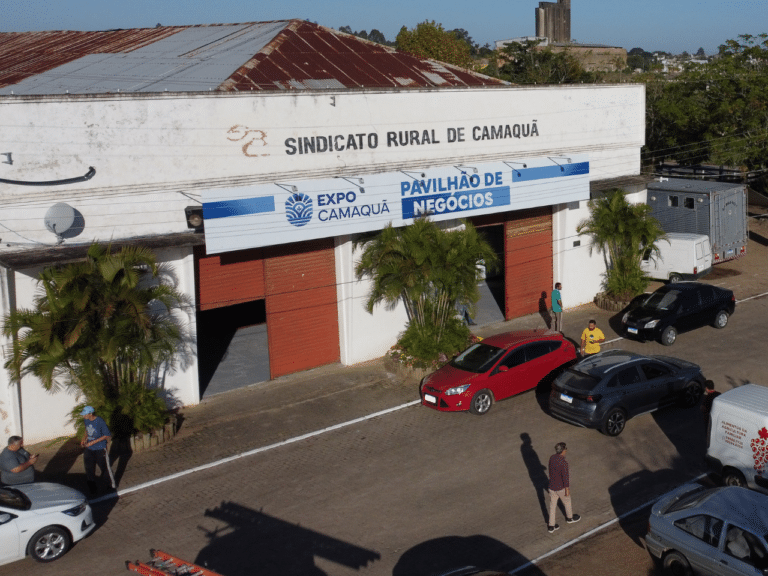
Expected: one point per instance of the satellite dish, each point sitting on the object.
(59, 218)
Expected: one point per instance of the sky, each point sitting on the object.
(668, 25)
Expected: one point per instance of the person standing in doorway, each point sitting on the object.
(96, 443)
(557, 308)
(591, 339)
(560, 487)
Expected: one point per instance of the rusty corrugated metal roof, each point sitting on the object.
(277, 55)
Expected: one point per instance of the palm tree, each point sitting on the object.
(104, 326)
(624, 232)
(428, 269)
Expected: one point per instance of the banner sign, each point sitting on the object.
(283, 212)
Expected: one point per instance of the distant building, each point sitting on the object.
(593, 57)
(553, 20)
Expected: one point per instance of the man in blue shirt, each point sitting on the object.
(96, 444)
(557, 308)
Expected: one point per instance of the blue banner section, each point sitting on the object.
(555, 171)
(239, 207)
(464, 201)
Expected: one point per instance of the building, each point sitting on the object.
(292, 140)
(593, 57)
(553, 20)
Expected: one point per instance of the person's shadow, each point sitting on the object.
(537, 472)
(544, 310)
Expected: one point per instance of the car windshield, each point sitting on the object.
(578, 380)
(661, 300)
(10, 498)
(477, 358)
(690, 499)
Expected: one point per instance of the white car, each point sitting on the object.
(41, 519)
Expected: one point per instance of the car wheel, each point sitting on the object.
(676, 565)
(691, 394)
(49, 544)
(614, 422)
(734, 478)
(721, 320)
(675, 278)
(669, 336)
(481, 402)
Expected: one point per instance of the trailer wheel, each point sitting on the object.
(674, 277)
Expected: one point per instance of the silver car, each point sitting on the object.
(710, 531)
(42, 520)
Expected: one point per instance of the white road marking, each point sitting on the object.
(594, 531)
(251, 453)
(752, 297)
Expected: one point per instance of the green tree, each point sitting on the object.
(527, 63)
(464, 36)
(104, 327)
(623, 232)
(715, 113)
(429, 40)
(431, 271)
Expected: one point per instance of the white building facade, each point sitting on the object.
(286, 181)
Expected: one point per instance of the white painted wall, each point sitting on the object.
(362, 336)
(45, 415)
(580, 269)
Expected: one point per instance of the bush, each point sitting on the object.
(138, 409)
(625, 281)
(427, 342)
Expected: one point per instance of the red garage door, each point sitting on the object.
(527, 260)
(230, 278)
(302, 313)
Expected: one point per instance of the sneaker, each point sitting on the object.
(551, 529)
(573, 519)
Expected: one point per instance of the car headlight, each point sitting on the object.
(77, 510)
(457, 390)
(625, 318)
(651, 324)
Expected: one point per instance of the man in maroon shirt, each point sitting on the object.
(559, 487)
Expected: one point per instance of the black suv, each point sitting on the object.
(607, 389)
(677, 307)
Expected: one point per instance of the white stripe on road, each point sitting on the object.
(251, 453)
(752, 297)
(594, 531)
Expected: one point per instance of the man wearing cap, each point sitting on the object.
(96, 441)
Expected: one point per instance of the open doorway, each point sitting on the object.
(490, 307)
(232, 347)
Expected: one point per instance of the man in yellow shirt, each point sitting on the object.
(591, 338)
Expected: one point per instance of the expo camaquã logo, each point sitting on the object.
(298, 209)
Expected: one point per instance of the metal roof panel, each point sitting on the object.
(276, 55)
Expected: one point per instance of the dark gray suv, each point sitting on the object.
(605, 390)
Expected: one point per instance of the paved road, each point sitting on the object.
(407, 493)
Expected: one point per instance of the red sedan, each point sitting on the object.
(496, 368)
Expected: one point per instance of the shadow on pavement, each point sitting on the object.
(637, 489)
(251, 542)
(452, 552)
(544, 310)
(537, 472)
(61, 462)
